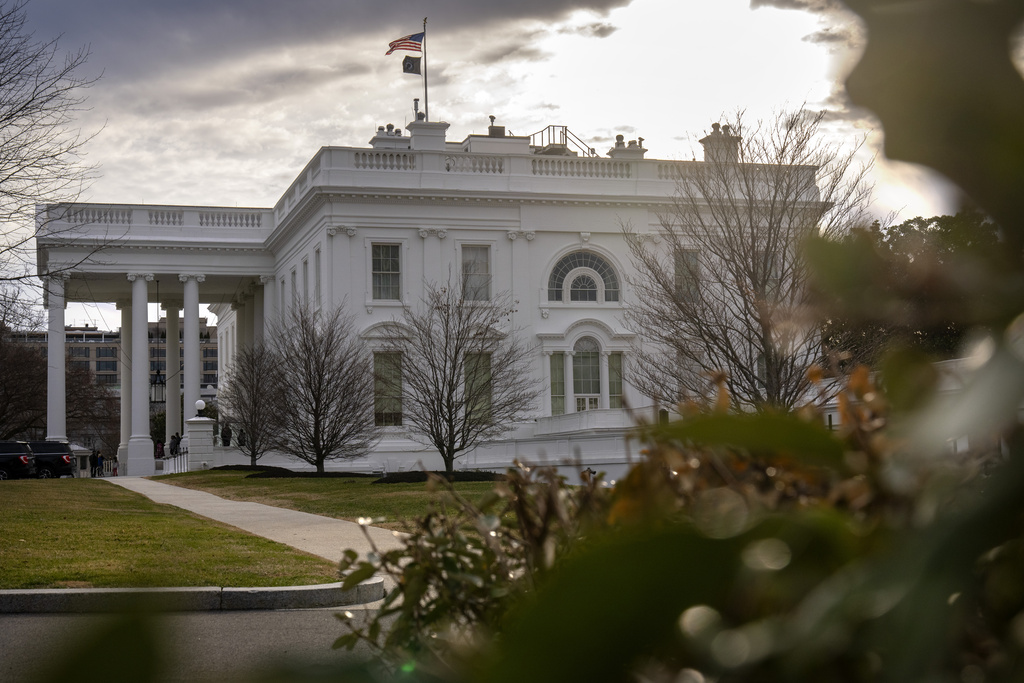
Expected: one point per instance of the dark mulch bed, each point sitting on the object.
(271, 472)
(417, 477)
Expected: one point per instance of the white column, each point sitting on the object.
(193, 365)
(140, 444)
(56, 387)
(545, 408)
(126, 384)
(570, 390)
(173, 310)
(259, 322)
(248, 320)
(605, 400)
(270, 295)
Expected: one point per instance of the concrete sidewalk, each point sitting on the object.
(314, 534)
(322, 536)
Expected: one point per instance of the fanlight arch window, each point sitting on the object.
(589, 275)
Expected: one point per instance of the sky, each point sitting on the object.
(223, 102)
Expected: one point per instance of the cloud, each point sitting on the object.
(594, 30)
(831, 36)
(804, 5)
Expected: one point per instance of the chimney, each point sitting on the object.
(494, 131)
(721, 145)
(633, 150)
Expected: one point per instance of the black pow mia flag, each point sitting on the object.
(411, 65)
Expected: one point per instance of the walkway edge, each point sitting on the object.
(188, 599)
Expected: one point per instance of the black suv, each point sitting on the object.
(16, 460)
(53, 459)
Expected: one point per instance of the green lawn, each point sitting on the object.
(390, 505)
(80, 533)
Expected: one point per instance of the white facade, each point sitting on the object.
(538, 221)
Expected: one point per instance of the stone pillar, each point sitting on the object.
(259, 323)
(605, 400)
(248, 321)
(570, 390)
(140, 444)
(200, 443)
(56, 386)
(126, 384)
(270, 319)
(173, 309)
(327, 286)
(193, 364)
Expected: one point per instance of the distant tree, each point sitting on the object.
(721, 288)
(461, 378)
(325, 392)
(22, 387)
(40, 150)
(249, 400)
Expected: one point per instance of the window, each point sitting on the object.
(476, 273)
(157, 352)
(387, 389)
(106, 352)
(687, 269)
(209, 365)
(79, 351)
(106, 366)
(209, 353)
(209, 379)
(106, 379)
(295, 289)
(316, 277)
(157, 366)
(478, 388)
(615, 380)
(387, 274)
(558, 383)
(284, 297)
(78, 365)
(599, 270)
(586, 374)
(583, 288)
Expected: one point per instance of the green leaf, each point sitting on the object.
(347, 641)
(358, 575)
(782, 434)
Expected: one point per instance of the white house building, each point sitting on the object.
(366, 227)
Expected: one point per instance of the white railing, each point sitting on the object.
(386, 161)
(166, 217)
(474, 163)
(582, 168)
(101, 216)
(174, 464)
(228, 219)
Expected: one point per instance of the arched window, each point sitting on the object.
(583, 288)
(583, 263)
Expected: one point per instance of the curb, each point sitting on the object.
(191, 599)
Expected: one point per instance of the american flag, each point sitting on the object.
(412, 42)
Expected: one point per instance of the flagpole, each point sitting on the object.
(426, 98)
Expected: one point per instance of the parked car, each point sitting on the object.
(53, 459)
(16, 460)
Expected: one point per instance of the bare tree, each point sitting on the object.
(325, 393)
(722, 287)
(461, 379)
(40, 149)
(248, 398)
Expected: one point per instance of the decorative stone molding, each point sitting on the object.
(369, 310)
(185, 277)
(132, 277)
(439, 233)
(331, 232)
(350, 231)
(529, 235)
(584, 237)
(544, 313)
(516, 234)
(264, 279)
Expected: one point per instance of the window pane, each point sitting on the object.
(583, 289)
(387, 389)
(478, 387)
(557, 384)
(106, 352)
(476, 273)
(687, 274)
(615, 380)
(583, 259)
(387, 279)
(106, 366)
